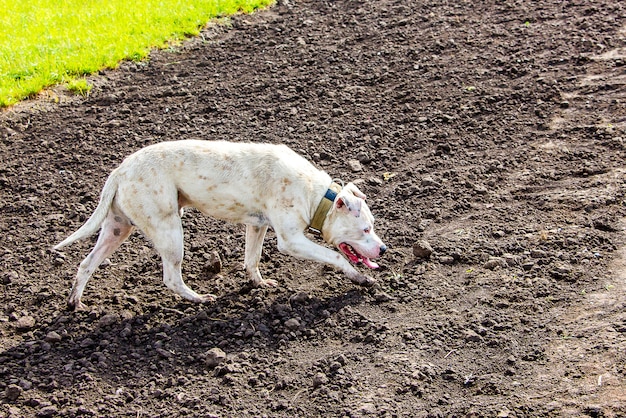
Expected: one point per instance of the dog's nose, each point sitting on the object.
(383, 248)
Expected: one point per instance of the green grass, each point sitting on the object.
(79, 86)
(46, 42)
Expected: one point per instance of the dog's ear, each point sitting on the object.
(347, 202)
(351, 187)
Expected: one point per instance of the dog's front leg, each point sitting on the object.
(254, 249)
(299, 246)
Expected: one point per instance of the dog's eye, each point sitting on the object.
(367, 230)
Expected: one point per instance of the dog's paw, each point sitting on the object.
(207, 298)
(363, 280)
(266, 283)
(77, 306)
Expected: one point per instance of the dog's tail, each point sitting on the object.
(97, 217)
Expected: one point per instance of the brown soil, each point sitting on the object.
(495, 131)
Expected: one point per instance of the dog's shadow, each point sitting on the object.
(171, 340)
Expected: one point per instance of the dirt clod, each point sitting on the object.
(25, 323)
(422, 249)
(214, 357)
(13, 392)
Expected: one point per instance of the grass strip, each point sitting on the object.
(47, 42)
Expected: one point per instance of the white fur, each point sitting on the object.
(259, 185)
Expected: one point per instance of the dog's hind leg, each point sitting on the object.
(115, 229)
(254, 249)
(168, 241)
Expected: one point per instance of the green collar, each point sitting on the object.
(322, 209)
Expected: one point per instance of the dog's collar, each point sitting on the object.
(324, 206)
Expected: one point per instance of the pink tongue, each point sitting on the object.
(357, 258)
(369, 263)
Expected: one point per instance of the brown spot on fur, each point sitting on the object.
(286, 182)
(117, 232)
(235, 207)
(118, 219)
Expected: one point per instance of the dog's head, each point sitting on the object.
(350, 227)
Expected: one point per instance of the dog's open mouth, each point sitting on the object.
(355, 257)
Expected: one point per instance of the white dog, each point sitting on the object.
(259, 185)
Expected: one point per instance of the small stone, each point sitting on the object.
(422, 249)
(163, 352)
(202, 316)
(504, 413)
(444, 148)
(535, 253)
(480, 189)
(214, 357)
(126, 332)
(87, 342)
(13, 392)
(10, 277)
(446, 259)
(334, 366)
(25, 323)
(447, 118)
(363, 157)
(512, 260)
(381, 297)
(319, 379)
(293, 324)
(355, 166)
(299, 298)
(26, 384)
(561, 271)
(341, 359)
(428, 181)
(421, 227)
(53, 337)
(214, 263)
(108, 320)
(472, 336)
(48, 411)
(594, 411)
(367, 408)
(494, 262)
